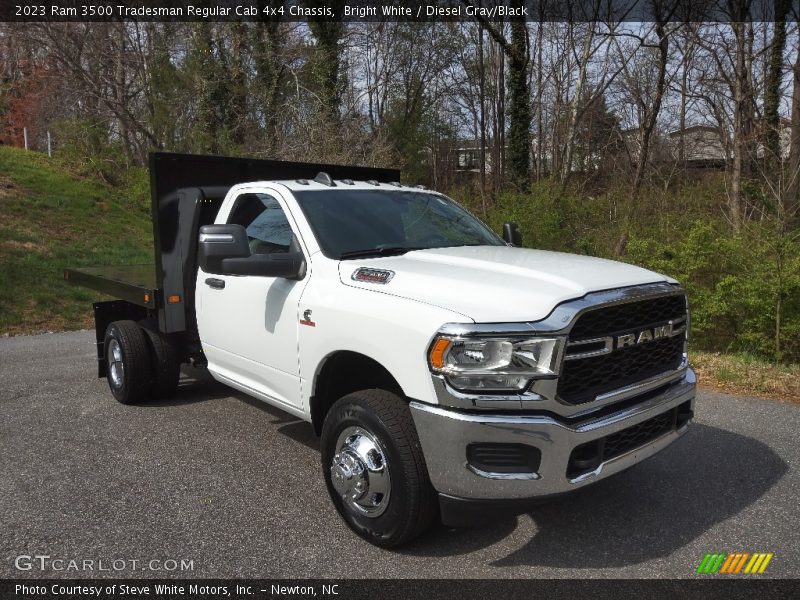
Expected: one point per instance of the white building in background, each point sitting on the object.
(703, 145)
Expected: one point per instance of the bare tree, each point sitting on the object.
(649, 105)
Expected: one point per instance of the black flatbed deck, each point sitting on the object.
(134, 283)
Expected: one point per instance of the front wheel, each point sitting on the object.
(374, 468)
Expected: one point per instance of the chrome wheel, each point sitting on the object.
(360, 472)
(116, 367)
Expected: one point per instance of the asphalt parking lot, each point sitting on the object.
(235, 486)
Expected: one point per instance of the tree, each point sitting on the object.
(793, 176)
(326, 65)
(649, 105)
(268, 42)
(519, 113)
(743, 108)
(772, 89)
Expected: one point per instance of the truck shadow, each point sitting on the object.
(197, 385)
(707, 477)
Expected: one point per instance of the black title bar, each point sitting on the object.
(388, 10)
(722, 587)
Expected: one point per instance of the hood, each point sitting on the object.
(493, 284)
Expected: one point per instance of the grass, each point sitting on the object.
(745, 374)
(50, 220)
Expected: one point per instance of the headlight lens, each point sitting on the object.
(494, 364)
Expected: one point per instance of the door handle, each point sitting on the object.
(215, 283)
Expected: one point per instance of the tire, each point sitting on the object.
(126, 345)
(165, 365)
(379, 421)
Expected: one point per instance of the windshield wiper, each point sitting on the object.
(379, 251)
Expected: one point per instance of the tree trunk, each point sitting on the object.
(482, 99)
(739, 117)
(501, 119)
(792, 201)
(236, 113)
(539, 104)
(687, 62)
(648, 126)
(520, 110)
(772, 91)
(326, 66)
(270, 69)
(572, 127)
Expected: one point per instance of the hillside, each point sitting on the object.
(50, 220)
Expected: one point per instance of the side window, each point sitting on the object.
(268, 229)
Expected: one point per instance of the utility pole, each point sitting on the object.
(49, 145)
(25, 136)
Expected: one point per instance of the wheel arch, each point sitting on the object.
(343, 372)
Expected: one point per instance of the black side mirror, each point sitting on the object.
(224, 250)
(219, 242)
(512, 234)
(289, 265)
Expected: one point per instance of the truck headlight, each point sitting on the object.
(494, 364)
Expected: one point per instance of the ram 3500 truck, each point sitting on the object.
(443, 366)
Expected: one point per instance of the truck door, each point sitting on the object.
(248, 324)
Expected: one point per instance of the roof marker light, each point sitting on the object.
(325, 179)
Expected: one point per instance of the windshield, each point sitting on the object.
(363, 223)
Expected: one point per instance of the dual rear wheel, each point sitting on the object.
(140, 363)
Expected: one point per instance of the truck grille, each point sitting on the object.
(583, 379)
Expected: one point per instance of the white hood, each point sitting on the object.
(493, 284)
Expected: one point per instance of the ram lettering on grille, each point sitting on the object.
(613, 346)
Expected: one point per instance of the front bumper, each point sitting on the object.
(445, 435)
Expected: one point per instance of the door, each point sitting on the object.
(248, 324)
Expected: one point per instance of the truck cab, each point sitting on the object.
(445, 368)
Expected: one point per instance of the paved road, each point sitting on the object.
(236, 487)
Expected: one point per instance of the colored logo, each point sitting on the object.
(734, 563)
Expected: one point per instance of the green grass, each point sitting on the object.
(50, 220)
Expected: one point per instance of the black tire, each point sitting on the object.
(131, 341)
(165, 365)
(412, 504)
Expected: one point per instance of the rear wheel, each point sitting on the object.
(374, 468)
(128, 367)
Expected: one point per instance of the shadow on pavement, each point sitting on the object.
(197, 385)
(705, 478)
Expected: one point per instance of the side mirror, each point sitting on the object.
(512, 234)
(224, 250)
(219, 242)
(289, 265)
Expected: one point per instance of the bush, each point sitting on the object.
(744, 289)
(83, 146)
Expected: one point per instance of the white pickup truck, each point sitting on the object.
(445, 369)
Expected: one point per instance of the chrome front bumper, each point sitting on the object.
(445, 434)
